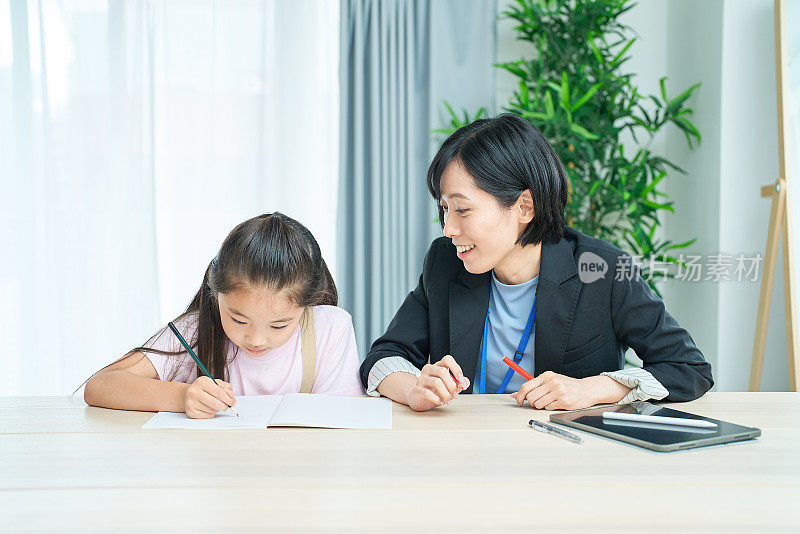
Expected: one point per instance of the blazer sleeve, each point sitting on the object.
(408, 334)
(667, 351)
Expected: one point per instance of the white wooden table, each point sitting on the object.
(471, 466)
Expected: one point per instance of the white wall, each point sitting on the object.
(729, 47)
(693, 41)
(748, 160)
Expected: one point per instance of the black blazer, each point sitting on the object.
(582, 329)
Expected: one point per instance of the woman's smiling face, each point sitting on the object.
(483, 231)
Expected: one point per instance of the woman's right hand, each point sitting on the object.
(436, 386)
(205, 397)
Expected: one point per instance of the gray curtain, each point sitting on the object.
(399, 60)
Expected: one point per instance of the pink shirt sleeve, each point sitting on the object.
(177, 367)
(337, 355)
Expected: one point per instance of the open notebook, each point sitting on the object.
(297, 409)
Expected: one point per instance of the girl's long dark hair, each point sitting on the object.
(272, 251)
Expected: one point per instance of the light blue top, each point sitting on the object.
(509, 308)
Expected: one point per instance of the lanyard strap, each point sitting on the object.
(526, 334)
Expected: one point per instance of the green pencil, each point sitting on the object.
(196, 359)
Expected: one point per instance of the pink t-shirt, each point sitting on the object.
(278, 371)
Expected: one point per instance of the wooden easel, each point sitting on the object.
(780, 218)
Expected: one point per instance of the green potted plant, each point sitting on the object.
(574, 89)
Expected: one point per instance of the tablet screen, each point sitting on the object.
(654, 435)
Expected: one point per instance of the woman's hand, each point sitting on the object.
(205, 397)
(436, 385)
(551, 391)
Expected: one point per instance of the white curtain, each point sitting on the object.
(133, 137)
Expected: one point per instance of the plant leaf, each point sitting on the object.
(524, 93)
(595, 51)
(656, 206)
(681, 98)
(564, 91)
(583, 132)
(535, 115)
(513, 68)
(548, 105)
(585, 98)
(616, 61)
(646, 191)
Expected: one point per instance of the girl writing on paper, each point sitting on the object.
(264, 319)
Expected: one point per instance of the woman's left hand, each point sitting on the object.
(552, 391)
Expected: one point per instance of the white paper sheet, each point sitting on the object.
(255, 411)
(298, 409)
(330, 411)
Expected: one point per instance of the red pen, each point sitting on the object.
(525, 374)
(458, 382)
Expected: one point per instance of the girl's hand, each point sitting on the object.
(436, 386)
(205, 397)
(551, 391)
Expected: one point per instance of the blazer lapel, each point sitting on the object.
(556, 298)
(469, 302)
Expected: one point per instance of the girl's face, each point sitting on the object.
(258, 320)
(483, 231)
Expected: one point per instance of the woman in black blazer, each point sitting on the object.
(502, 191)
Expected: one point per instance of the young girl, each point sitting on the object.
(265, 319)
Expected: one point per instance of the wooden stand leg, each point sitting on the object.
(790, 290)
(780, 219)
(765, 298)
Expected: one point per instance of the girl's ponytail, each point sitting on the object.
(208, 341)
(326, 293)
(210, 335)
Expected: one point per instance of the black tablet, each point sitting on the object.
(654, 436)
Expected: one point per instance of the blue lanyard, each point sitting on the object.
(526, 334)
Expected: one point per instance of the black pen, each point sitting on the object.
(195, 358)
(551, 429)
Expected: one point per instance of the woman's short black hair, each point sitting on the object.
(506, 155)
